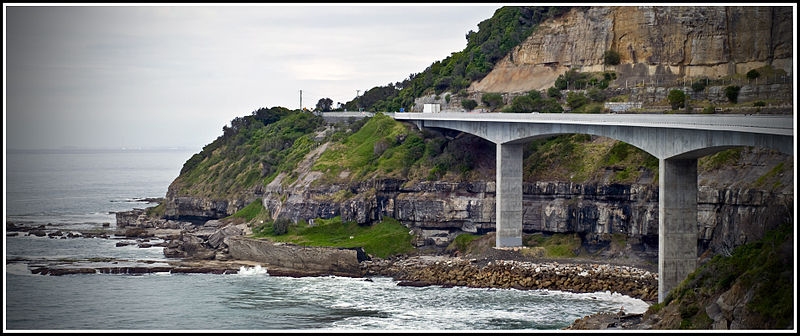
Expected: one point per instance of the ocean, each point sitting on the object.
(80, 189)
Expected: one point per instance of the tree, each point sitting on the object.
(469, 104)
(554, 92)
(576, 100)
(699, 85)
(753, 74)
(324, 105)
(676, 99)
(611, 57)
(493, 100)
(732, 92)
(595, 94)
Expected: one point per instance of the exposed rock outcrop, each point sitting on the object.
(331, 260)
(668, 41)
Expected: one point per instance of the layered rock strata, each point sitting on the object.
(667, 42)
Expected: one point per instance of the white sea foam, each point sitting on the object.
(252, 270)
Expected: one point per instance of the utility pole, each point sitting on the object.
(301, 99)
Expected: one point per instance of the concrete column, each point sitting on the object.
(508, 195)
(677, 223)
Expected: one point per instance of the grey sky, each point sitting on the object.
(147, 76)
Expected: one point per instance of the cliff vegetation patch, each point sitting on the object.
(249, 153)
(584, 158)
(383, 239)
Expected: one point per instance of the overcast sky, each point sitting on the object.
(151, 76)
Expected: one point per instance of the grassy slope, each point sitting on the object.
(230, 166)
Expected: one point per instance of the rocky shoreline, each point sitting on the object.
(204, 249)
(571, 277)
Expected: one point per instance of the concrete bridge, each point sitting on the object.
(676, 140)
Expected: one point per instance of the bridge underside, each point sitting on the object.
(677, 150)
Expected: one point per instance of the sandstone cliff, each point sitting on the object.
(664, 41)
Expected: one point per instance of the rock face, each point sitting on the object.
(597, 211)
(180, 207)
(670, 42)
(306, 258)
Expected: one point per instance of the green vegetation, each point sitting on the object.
(376, 149)
(576, 100)
(385, 148)
(553, 92)
(699, 85)
(555, 246)
(771, 176)
(720, 159)
(611, 57)
(461, 242)
(573, 79)
(469, 104)
(676, 98)
(496, 36)
(252, 151)
(753, 74)
(156, 211)
(382, 239)
(492, 100)
(765, 267)
(732, 93)
(533, 102)
(582, 158)
(250, 212)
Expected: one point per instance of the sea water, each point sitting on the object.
(76, 190)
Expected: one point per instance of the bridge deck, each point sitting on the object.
(763, 124)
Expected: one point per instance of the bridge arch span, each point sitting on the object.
(676, 140)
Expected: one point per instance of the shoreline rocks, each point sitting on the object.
(577, 278)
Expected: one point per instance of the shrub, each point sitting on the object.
(493, 100)
(522, 104)
(759, 103)
(709, 109)
(753, 74)
(447, 98)
(576, 100)
(560, 83)
(281, 226)
(699, 85)
(596, 94)
(732, 92)
(469, 104)
(550, 106)
(676, 99)
(554, 92)
(611, 57)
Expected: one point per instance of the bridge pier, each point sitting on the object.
(677, 222)
(508, 195)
